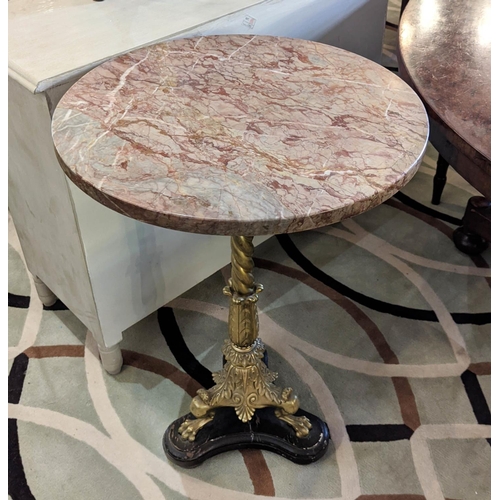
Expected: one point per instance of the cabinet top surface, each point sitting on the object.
(240, 135)
(52, 41)
(445, 46)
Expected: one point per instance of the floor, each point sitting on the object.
(379, 323)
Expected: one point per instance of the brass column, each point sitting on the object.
(245, 382)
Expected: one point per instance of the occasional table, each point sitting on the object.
(445, 55)
(241, 136)
(110, 257)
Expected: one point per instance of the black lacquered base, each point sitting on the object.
(265, 431)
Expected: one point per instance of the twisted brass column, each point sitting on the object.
(245, 383)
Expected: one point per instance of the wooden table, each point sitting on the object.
(445, 56)
(241, 136)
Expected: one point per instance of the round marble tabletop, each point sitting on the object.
(240, 135)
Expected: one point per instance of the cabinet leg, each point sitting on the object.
(111, 358)
(44, 292)
(439, 180)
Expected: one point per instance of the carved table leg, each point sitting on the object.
(473, 236)
(245, 409)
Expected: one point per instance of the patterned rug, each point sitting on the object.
(379, 323)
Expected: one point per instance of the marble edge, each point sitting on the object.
(217, 227)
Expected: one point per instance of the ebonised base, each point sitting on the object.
(226, 432)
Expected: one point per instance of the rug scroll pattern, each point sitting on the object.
(379, 323)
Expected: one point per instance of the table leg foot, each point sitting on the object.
(473, 236)
(469, 242)
(226, 432)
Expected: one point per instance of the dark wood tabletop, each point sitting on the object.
(445, 55)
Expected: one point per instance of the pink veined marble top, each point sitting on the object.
(240, 135)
